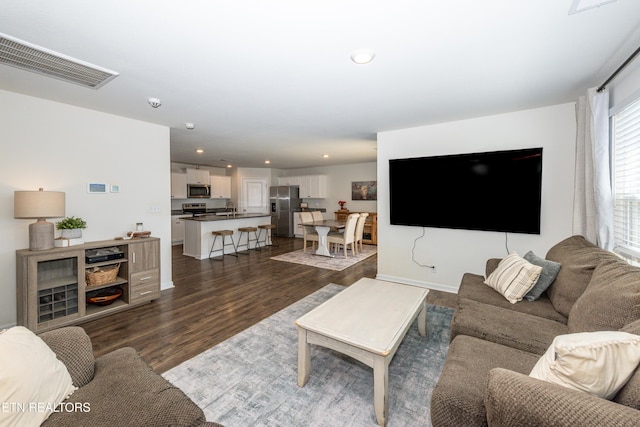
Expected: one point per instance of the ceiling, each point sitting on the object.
(273, 80)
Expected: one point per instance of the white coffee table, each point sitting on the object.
(366, 321)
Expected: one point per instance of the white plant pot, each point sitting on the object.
(72, 233)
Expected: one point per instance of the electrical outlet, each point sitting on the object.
(154, 209)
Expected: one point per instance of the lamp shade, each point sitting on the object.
(38, 204)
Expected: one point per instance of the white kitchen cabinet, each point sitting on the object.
(178, 185)
(220, 187)
(313, 187)
(289, 180)
(198, 176)
(177, 229)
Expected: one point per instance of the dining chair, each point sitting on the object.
(308, 232)
(348, 237)
(360, 230)
(317, 215)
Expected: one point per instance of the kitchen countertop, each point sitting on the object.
(224, 217)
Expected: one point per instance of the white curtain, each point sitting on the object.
(593, 200)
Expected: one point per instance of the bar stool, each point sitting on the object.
(268, 234)
(248, 230)
(223, 234)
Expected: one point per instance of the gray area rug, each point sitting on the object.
(338, 263)
(251, 378)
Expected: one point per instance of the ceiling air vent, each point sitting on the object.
(29, 57)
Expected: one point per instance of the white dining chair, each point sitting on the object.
(348, 237)
(360, 230)
(308, 232)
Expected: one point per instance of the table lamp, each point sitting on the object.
(39, 205)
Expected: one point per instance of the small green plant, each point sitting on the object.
(71, 223)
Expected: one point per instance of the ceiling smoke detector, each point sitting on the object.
(363, 56)
(190, 126)
(154, 102)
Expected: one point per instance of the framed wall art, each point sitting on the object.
(364, 190)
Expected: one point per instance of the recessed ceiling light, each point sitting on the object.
(199, 151)
(267, 162)
(229, 166)
(363, 56)
(326, 156)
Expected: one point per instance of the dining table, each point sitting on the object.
(322, 228)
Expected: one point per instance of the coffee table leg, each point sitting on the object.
(422, 319)
(304, 357)
(380, 388)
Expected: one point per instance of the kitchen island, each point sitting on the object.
(197, 231)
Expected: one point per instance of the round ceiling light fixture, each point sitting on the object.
(190, 126)
(363, 56)
(154, 102)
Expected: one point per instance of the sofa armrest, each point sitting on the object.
(492, 264)
(516, 399)
(73, 348)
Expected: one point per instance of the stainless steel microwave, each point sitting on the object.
(198, 191)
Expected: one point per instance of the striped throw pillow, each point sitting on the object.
(514, 277)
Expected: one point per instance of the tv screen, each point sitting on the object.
(493, 191)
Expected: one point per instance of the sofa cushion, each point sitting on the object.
(629, 394)
(125, 388)
(72, 347)
(598, 363)
(511, 328)
(514, 277)
(30, 374)
(472, 287)
(548, 274)
(458, 397)
(578, 258)
(611, 301)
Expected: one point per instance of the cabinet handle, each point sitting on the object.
(134, 257)
(145, 278)
(144, 293)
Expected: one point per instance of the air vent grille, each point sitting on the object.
(25, 56)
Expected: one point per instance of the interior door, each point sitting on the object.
(255, 195)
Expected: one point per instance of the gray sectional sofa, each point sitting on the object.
(120, 388)
(495, 345)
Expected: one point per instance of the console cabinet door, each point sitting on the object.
(144, 255)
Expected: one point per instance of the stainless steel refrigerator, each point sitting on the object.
(285, 200)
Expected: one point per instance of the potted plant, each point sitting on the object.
(71, 227)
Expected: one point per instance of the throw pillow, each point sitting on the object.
(32, 380)
(514, 277)
(549, 272)
(598, 363)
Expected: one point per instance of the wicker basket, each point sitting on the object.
(102, 275)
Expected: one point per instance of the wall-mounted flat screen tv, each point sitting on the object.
(493, 191)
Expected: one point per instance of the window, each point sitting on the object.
(626, 181)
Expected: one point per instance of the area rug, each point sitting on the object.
(338, 263)
(251, 378)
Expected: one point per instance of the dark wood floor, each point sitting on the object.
(212, 301)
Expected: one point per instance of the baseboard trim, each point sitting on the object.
(428, 285)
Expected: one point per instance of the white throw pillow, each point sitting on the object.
(514, 277)
(32, 380)
(599, 363)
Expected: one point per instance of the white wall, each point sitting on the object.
(61, 147)
(455, 252)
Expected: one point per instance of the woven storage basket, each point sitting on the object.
(102, 275)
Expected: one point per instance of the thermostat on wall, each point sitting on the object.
(96, 188)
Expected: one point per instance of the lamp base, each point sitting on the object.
(41, 235)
